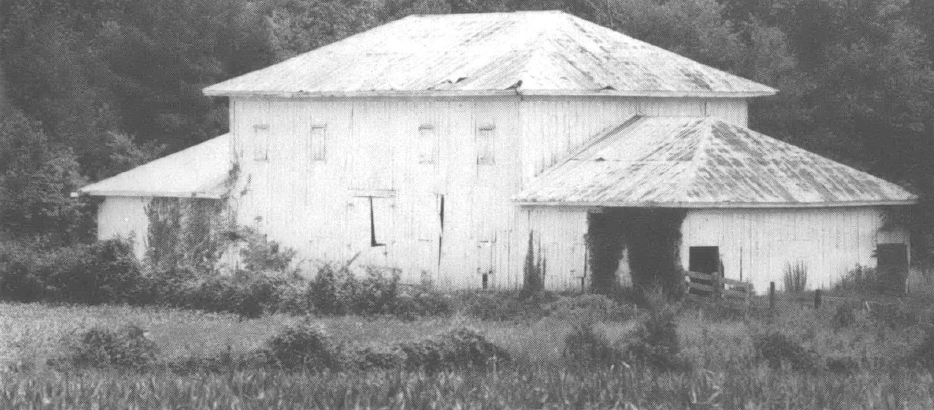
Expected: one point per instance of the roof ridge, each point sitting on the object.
(700, 155)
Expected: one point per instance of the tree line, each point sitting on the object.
(90, 88)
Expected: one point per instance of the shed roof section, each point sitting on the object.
(198, 171)
(703, 162)
(550, 52)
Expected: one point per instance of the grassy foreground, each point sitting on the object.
(726, 372)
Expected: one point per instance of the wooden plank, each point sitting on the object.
(698, 286)
(700, 276)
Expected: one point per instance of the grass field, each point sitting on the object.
(725, 374)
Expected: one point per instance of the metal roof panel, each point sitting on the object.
(552, 53)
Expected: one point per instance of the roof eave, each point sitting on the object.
(219, 92)
(168, 194)
(721, 205)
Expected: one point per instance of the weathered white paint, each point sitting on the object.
(757, 244)
(124, 217)
(376, 148)
(559, 242)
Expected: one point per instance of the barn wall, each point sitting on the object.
(756, 244)
(558, 238)
(411, 158)
(124, 217)
(552, 127)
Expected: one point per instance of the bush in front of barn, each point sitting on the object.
(336, 290)
(456, 348)
(304, 346)
(107, 272)
(127, 347)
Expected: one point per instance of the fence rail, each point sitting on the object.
(716, 286)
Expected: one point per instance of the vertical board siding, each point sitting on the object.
(759, 243)
(124, 217)
(732, 110)
(372, 146)
(558, 240)
(321, 208)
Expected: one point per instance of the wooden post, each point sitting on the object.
(817, 299)
(771, 297)
(715, 283)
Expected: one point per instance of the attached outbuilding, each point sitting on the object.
(189, 181)
(726, 198)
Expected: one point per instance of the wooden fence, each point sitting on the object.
(716, 286)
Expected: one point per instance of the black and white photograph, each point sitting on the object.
(467, 204)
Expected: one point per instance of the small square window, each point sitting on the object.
(318, 142)
(261, 142)
(427, 143)
(485, 141)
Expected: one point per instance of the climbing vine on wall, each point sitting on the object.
(185, 232)
(191, 232)
(652, 237)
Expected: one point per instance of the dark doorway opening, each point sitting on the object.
(651, 238)
(892, 265)
(704, 259)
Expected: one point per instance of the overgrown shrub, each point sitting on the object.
(332, 290)
(922, 355)
(304, 346)
(259, 254)
(862, 280)
(655, 341)
(100, 272)
(777, 349)
(420, 301)
(336, 291)
(586, 346)
(589, 307)
(505, 305)
(127, 347)
(377, 293)
(894, 316)
(457, 348)
(20, 279)
(844, 316)
(796, 277)
(378, 358)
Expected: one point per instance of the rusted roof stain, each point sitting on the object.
(198, 171)
(551, 52)
(703, 162)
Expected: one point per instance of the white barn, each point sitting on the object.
(441, 144)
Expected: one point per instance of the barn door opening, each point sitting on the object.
(892, 265)
(648, 238)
